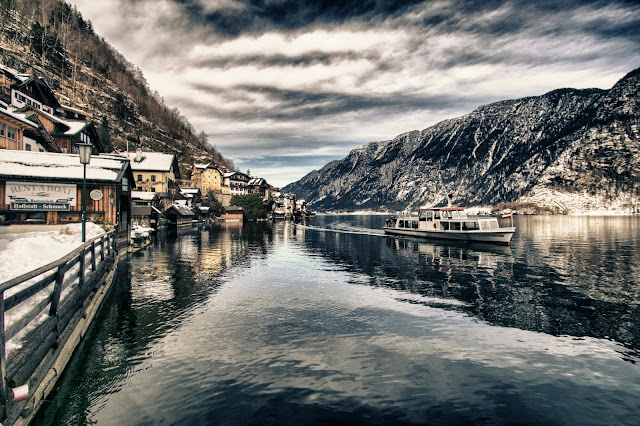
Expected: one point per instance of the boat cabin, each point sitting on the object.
(449, 223)
(444, 219)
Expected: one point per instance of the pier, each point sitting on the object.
(44, 315)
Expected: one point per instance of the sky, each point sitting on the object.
(282, 87)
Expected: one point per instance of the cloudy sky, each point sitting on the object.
(284, 86)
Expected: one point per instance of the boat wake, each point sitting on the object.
(344, 228)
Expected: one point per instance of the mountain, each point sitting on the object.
(51, 39)
(577, 149)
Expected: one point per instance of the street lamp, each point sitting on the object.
(84, 149)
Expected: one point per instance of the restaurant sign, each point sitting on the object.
(40, 196)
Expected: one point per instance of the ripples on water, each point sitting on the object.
(333, 322)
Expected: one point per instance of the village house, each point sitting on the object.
(207, 177)
(58, 128)
(155, 172)
(192, 196)
(284, 206)
(12, 129)
(235, 183)
(43, 187)
(179, 216)
(66, 134)
(260, 187)
(20, 89)
(232, 214)
(145, 209)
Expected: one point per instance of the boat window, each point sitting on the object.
(454, 214)
(455, 226)
(414, 224)
(429, 216)
(493, 224)
(445, 225)
(436, 215)
(471, 225)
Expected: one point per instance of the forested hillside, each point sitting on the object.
(53, 40)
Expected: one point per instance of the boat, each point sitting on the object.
(450, 223)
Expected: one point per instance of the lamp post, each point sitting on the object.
(84, 149)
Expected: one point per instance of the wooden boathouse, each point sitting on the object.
(46, 188)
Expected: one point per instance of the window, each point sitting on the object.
(153, 189)
(11, 133)
(139, 178)
(2, 129)
(153, 178)
(27, 147)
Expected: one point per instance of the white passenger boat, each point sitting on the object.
(451, 223)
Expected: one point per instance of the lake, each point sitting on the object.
(333, 322)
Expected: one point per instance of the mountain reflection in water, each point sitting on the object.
(332, 322)
(562, 275)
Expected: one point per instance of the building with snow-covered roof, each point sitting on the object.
(260, 187)
(33, 91)
(192, 196)
(65, 134)
(60, 127)
(179, 216)
(155, 172)
(12, 128)
(43, 187)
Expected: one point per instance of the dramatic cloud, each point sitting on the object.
(284, 86)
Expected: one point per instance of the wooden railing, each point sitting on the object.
(38, 313)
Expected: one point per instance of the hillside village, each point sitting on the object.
(41, 176)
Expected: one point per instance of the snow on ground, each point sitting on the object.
(24, 248)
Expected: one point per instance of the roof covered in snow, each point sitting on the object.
(19, 117)
(144, 195)
(190, 191)
(48, 165)
(154, 161)
(181, 210)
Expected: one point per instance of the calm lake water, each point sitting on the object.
(335, 323)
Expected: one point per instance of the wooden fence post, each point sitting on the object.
(81, 275)
(55, 299)
(3, 363)
(93, 256)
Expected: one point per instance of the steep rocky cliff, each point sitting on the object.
(578, 149)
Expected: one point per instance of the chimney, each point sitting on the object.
(138, 155)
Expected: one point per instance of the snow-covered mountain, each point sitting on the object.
(574, 148)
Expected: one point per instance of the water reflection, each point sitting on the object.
(334, 322)
(562, 275)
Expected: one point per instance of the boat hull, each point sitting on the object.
(497, 236)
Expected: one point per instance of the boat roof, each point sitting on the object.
(442, 208)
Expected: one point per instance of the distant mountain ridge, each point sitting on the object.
(569, 147)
